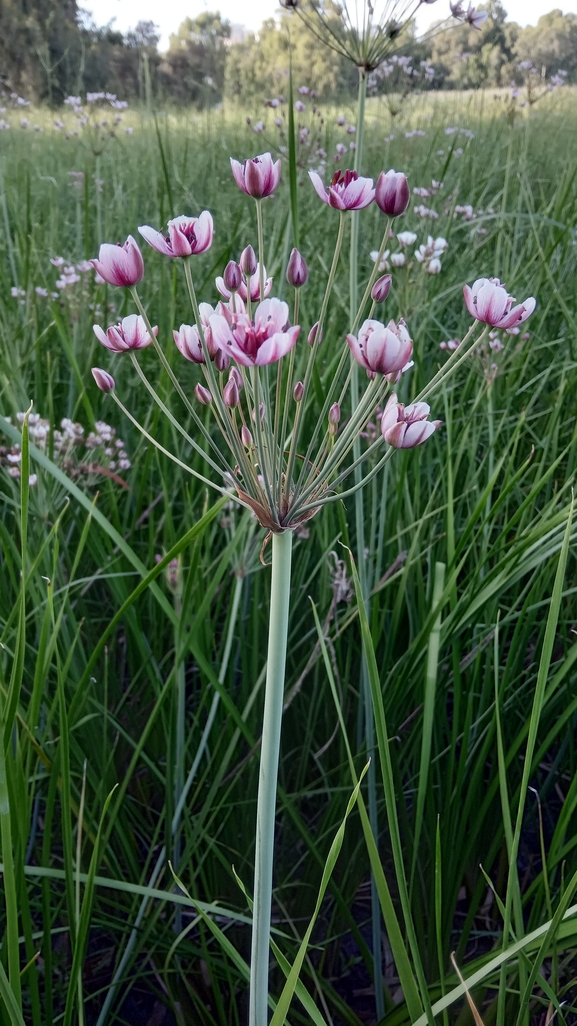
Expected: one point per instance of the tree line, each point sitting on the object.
(49, 50)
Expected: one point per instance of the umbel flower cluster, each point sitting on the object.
(285, 455)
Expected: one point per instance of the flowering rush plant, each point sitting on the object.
(284, 456)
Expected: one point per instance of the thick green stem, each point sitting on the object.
(267, 785)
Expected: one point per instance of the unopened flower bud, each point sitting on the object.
(232, 276)
(313, 334)
(235, 373)
(247, 262)
(261, 412)
(297, 272)
(334, 417)
(392, 193)
(381, 288)
(298, 391)
(103, 379)
(246, 437)
(221, 360)
(230, 394)
(203, 395)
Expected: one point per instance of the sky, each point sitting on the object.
(170, 13)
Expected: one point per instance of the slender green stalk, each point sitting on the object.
(267, 784)
(538, 701)
(490, 460)
(264, 464)
(77, 888)
(260, 250)
(160, 354)
(314, 348)
(180, 736)
(176, 423)
(428, 710)
(365, 707)
(179, 808)
(209, 369)
(9, 881)
(161, 448)
(372, 279)
(8, 709)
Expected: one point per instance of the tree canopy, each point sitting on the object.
(49, 50)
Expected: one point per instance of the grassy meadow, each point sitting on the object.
(134, 604)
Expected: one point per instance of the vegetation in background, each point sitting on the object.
(118, 597)
(48, 50)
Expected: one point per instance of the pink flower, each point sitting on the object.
(380, 349)
(120, 265)
(258, 177)
(131, 333)
(187, 338)
(488, 301)
(187, 236)
(476, 18)
(259, 342)
(254, 282)
(404, 427)
(187, 341)
(392, 193)
(346, 192)
(103, 379)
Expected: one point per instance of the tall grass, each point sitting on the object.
(119, 674)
